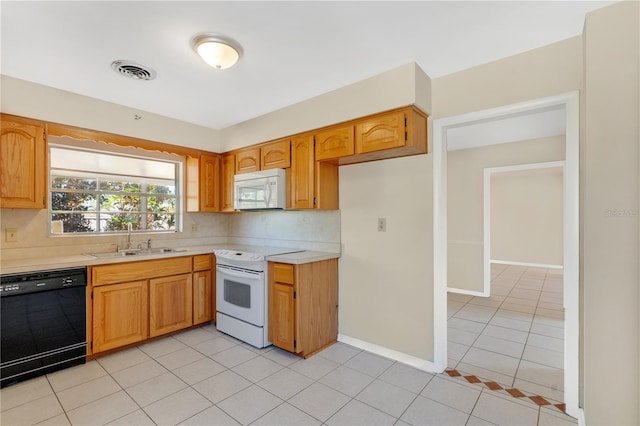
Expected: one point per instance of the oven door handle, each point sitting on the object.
(232, 273)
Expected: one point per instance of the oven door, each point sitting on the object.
(240, 294)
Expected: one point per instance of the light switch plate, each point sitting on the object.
(382, 224)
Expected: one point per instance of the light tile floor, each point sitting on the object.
(516, 336)
(203, 377)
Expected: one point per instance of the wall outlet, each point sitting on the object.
(194, 227)
(382, 224)
(11, 235)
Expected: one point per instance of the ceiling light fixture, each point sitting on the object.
(217, 51)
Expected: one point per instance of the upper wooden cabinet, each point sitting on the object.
(334, 142)
(272, 155)
(301, 179)
(390, 134)
(226, 182)
(311, 184)
(248, 160)
(23, 163)
(380, 132)
(275, 155)
(209, 183)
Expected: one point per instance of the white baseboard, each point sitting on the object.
(533, 265)
(419, 363)
(469, 292)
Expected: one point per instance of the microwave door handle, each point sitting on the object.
(268, 191)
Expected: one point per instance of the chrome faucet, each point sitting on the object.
(128, 236)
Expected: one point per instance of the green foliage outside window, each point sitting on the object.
(108, 204)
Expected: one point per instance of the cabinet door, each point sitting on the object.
(248, 160)
(120, 315)
(170, 304)
(381, 132)
(23, 164)
(334, 142)
(201, 297)
(226, 177)
(282, 316)
(209, 183)
(302, 173)
(275, 155)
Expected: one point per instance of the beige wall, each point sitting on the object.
(610, 224)
(465, 201)
(547, 71)
(405, 85)
(20, 97)
(526, 216)
(386, 278)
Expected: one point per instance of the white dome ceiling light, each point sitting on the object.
(217, 51)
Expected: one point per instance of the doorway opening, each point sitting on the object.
(442, 130)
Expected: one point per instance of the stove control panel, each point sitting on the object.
(239, 255)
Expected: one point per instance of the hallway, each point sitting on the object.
(515, 337)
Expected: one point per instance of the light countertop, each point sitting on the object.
(79, 260)
(300, 257)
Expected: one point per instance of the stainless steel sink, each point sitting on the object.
(135, 252)
(163, 250)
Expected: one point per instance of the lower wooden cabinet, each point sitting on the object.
(170, 304)
(282, 316)
(120, 315)
(303, 306)
(202, 297)
(132, 302)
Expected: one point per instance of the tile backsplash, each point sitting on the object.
(310, 230)
(306, 229)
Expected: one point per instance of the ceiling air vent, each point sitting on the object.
(133, 70)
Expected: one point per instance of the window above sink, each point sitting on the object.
(96, 188)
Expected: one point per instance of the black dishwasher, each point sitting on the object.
(43, 326)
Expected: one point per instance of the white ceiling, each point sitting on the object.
(292, 50)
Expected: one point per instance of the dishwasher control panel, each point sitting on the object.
(42, 281)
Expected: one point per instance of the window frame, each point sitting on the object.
(177, 161)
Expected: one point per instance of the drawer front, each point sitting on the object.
(142, 270)
(202, 262)
(283, 273)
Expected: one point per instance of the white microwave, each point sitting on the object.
(261, 190)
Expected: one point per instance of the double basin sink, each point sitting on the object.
(135, 252)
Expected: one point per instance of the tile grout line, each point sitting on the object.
(515, 376)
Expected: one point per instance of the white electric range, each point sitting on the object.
(241, 292)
